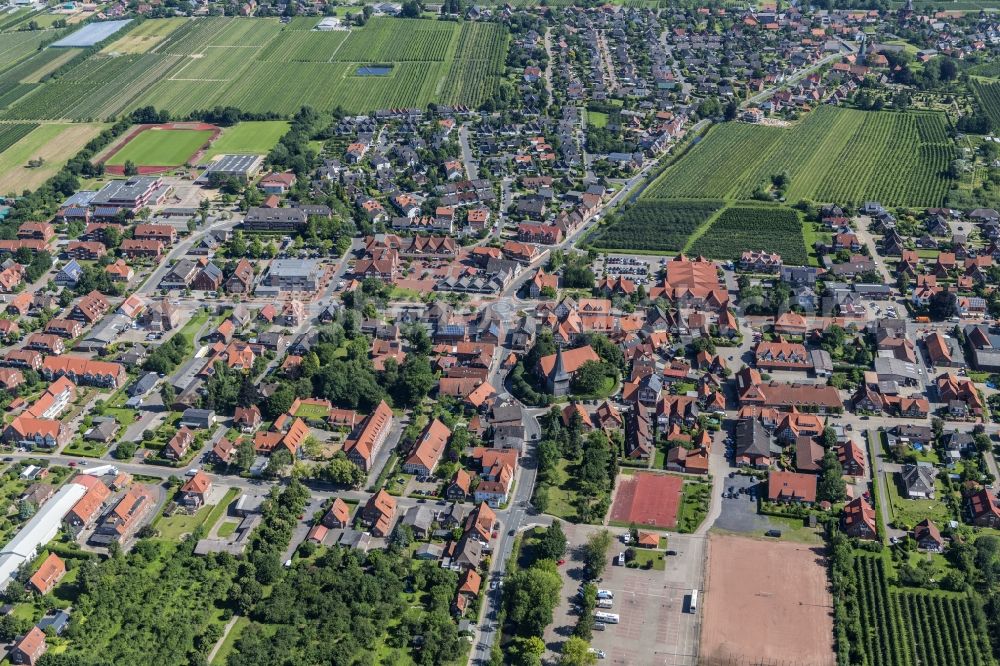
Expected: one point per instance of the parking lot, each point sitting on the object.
(654, 626)
(739, 506)
(638, 268)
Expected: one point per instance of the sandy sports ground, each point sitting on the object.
(766, 603)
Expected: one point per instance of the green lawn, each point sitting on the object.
(257, 137)
(226, 529)
(125, 417)
(191, 327)
(909, 512)
(311, 412)
(813, 233)
(171, 528)
(161, 147)
(78, 447)
(653, 559)
(695, 500)
(597, 119)
(560, 496)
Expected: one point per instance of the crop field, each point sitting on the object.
(481, 51)
(144, 37)
(748, 227)
(17, 45)
(247, 137)
(11, 133)
(20, 79)
(98, 88)
(655, 225)
(53, 143)
(988, 95)
(389, 40)
(834, 155)
(909, 627)
(258, 65)
(305, 46)
(161, 147)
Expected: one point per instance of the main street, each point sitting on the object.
(516, 517)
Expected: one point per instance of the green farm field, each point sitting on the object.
(260, 65)
(53, 143)
(654, 225)
(988, 95)
(144, 37)
(161, 147)
(833, 155)
(255, 137)
(753, 227)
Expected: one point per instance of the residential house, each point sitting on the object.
(858, 519)
(195, 490)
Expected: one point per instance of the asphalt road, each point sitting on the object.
(518, 516)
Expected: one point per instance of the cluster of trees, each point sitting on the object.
(576, 273)
(339, 369)
(293, 150)
(602, 140)
(133, 609)
(524, 381)
(237, 247)
(341, 471)
(36, 263)
(95, 278)
(591, 377)
(594, 459)
(531, 594)
(831, 487)
(335, 610)
(167, 356)
(979, 564)
(228, 388)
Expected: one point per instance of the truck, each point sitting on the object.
(605, 603)
(606, 618)
(693, 605)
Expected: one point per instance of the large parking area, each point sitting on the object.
(638, 268)
(739, 506)
(654, 626)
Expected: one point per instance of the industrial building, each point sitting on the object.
(38, 531)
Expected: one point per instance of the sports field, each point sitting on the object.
(833, 155)
(647, 499)
(766, 603)
(260, 65)
(255, 137)
(54, 143)
(160, 147)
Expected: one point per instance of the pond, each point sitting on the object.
(374, 70)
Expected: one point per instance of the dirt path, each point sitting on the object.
(222, 639)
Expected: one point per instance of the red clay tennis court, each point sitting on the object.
(648, 499)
